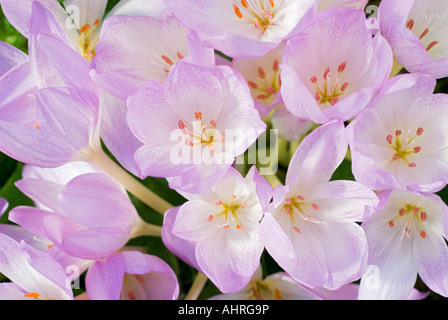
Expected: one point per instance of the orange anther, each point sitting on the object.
(84, 28)
(237, 11)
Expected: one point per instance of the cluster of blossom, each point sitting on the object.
(178, 90)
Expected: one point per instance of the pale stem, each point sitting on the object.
(146, 229)
(197, 286)
(273, 180)
(129, 182)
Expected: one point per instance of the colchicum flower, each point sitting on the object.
(134, 50)
(400, 141)
(339, 82)
(311, 228)
(79, 20)
(33, 273)
(193, 126)
(417, 33)
(243, 29)
(225, 225)
(406, 237)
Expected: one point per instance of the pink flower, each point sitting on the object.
(193, 125)
(310, 229)
(400, 140)
(33, 274)
(406, 237)
(243, 29)
(134, 50)
(80, 23)
(131, 275)
(224, 224)
(339, 82)
(416, 31)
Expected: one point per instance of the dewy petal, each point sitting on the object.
(319, 154)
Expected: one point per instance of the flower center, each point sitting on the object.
(257, 12)
(267, 85)
(412, 215)
(423, 30)
(296, 207)
(229, 212)
(88, 39)
(328, 89)
(165, 63)
(131, 285)
(264, 291)
(201, 134)
(404, 146)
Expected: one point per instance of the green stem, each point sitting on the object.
(197, 286)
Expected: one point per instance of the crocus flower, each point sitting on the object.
(134, 50)
(193, 125)
(416, 31)
(400, 140)
(80, 20)
(262, 74)
(243, 29)
(339, 82)
(90, 208)
(406, 237)
(311, 228)
(33, 274)
(224, 224)
(131, 275)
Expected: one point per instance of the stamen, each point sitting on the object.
(412, 165)
(401, 212)
(342, 66)
(261, 72)
(431, 45)
(326, 73)
(297, 230)
(257, 23)
(239, 227)
(300, 198)
(213, 123)
(266, 14)
(97, 22)
(237, 11)
(315, 206)
(277, 293)
(391, 224)
(389, 139)
(272, 3)
(423, 234)
(344, 86)
(423, 216)
(252, 84)
(419, 131)
(417, 149)
(424, 33)
(180, 55)
(84, 28)
(210, 218)
(313, 79)
(32, 295)
(167, 60)
(317, 96)
(37, 127)
(244, 3)
(275, 66)
(334, 101)
(410, 24)
(398, 133)
(218, 203)
(198, 115)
